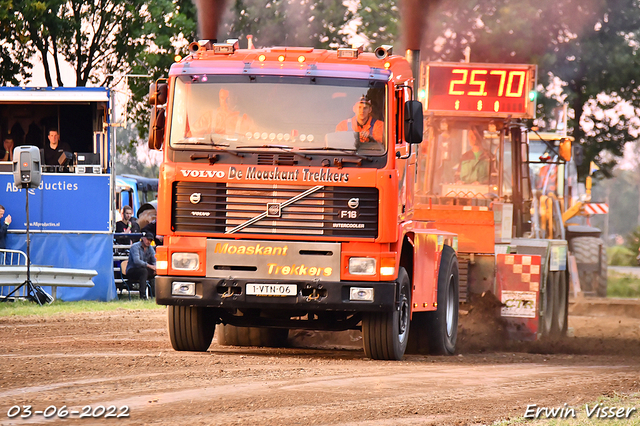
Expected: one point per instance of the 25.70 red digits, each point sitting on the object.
(514, 82)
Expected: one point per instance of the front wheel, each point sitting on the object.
(385, 334)
(442, 324)
(191, 328)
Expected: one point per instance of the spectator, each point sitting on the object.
(126, 226)
(142, 263)
(151, 228)
(3, 228)
(9, 144)
(54, 149)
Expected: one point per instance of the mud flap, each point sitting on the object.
(518, 279)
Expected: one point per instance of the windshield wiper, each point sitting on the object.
(214, 157)
(345, 151)
(283, 148)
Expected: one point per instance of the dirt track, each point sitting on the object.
(124, 358)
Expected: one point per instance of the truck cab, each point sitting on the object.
(282, 196)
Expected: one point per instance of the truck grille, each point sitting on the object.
(330, 211)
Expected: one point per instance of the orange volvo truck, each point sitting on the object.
(286, 201)
(473, 176)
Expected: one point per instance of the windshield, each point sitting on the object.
(547, 172)
(268, 112)
(466, 161)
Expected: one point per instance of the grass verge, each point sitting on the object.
(24, 308)
(622, 285)
(627, 403)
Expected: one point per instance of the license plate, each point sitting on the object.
(272, 289)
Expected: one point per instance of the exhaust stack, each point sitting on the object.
(413, 57)
(209, 18)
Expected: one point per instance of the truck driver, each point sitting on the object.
(370, 129)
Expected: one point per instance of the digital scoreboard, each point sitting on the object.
(480, 90)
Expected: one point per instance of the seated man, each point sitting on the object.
(142, 263)
(475, 163)
(370, 129)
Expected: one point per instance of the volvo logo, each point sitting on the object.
(195, 197)
(354, 203)
(274, 210)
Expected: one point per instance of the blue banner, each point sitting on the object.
(80, 251)
(62, 202)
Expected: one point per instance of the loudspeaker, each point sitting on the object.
(27, 168)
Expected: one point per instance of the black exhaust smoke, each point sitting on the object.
(414, 24)
(209, 17)
(414, 21)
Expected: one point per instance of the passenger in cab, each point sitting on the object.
(229, 120)
(369, 129)
(475, 163)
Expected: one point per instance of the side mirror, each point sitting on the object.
(158, 93)
(156, 128)
(564, 150)
(413, 122)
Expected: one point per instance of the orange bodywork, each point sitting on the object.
(475, 227)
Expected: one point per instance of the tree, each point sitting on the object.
(97, 38)
(164, 39)
(13, 67)
(590, 46)
(310, 23)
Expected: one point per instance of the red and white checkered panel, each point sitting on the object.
(518, 287)
(596, 208)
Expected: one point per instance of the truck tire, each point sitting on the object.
(442, 324)
(586, 250)
(191, 328)
(229, 335)
(385, 334)
(419, 336)
(561, 301)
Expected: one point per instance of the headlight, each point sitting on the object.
(362, 266)
(185, 261)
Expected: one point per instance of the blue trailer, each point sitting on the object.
(72, 211)
(134, 191)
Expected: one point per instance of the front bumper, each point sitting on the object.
(311, 296)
